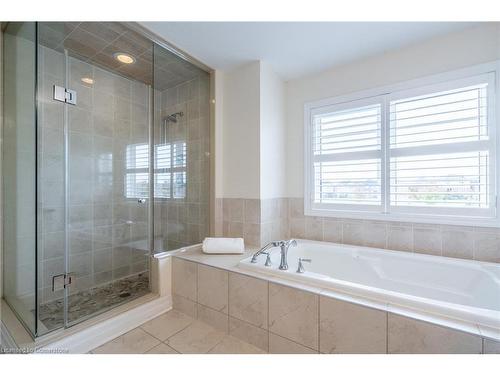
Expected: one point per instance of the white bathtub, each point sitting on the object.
(459, 289)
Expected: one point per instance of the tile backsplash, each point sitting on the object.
(257, 221)
(260, 221)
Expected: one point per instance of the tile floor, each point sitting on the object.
(174, 333)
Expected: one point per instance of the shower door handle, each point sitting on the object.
(61, 281)
(142, 200)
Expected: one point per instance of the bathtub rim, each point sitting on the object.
(442, 313)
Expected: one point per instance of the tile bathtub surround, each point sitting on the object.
(248, 299)
(212, 288)
(293, 314)
(464, 242)
(491, 347)
(257, 221)
(261, 221)
(411, 336)
(279, 317)
(349, 328)
(184, 279)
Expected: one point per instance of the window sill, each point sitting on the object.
(407, 218)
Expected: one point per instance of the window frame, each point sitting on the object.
(487, 72)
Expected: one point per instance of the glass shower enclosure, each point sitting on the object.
(106, 161)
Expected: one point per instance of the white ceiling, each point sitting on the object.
(294, 49)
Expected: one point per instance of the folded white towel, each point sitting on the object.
(223, 245)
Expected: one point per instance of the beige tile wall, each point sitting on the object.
(257, 221)
(283, 319)
(464, 242)
(284, 218)
(261, 221)
(410, 336)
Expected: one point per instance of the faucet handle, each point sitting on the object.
(268, 260)
(300, 268)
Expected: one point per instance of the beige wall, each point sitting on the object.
(452, 51)
(272, 134)
(252, 133)
(276, 144)
(241, 137)
(250, 154)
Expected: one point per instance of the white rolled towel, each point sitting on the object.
(223, 245)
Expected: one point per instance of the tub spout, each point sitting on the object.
(263, 250)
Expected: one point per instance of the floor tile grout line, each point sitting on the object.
(176, 352)
(270, 332)
(295, 342)
(147, 333)
(174, 334)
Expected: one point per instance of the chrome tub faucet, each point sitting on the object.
(283, 245)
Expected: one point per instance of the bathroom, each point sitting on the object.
(179, 187)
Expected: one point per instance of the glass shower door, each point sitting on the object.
(108, 187)
(19, 150)
(95, 250)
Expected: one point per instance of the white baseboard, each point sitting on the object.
(6, 339)
(90, 338)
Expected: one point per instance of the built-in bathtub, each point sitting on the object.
(462, 290)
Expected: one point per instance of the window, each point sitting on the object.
(136, 178)
(423, 153)
(169, 171)
(347, 154)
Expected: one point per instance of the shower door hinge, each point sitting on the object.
(64, 95)
(60, 281)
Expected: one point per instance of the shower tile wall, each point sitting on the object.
(107, 231)
(183, 220)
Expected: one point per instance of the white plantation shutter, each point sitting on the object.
(441, 150)
(346, 147)
(424, 153)
(137, 164)
(163, 161)
(169, 171)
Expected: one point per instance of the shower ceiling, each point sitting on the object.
(98, 42)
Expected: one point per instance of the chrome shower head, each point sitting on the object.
(173, 117)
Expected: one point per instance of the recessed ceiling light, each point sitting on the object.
(124, 58)
(87, 80)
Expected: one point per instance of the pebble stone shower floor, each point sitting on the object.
(86, 303)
